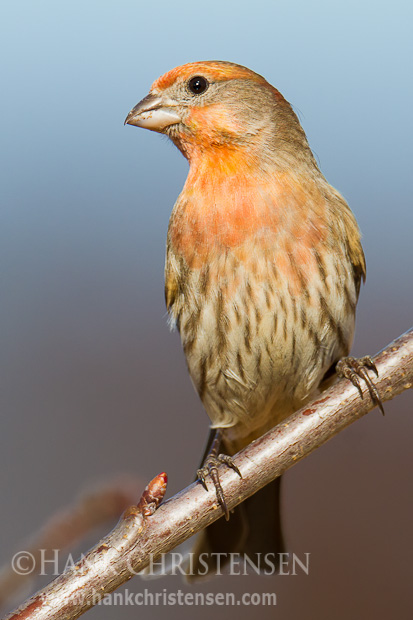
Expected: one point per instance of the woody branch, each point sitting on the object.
(138, 537)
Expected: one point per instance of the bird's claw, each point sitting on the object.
(355, 369)
(210, 468)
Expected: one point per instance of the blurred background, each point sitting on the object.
(89, 372)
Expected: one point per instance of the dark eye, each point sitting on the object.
(198, 85)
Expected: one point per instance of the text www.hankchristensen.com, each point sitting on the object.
(186, 598)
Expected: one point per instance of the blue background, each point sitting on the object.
(91, 381)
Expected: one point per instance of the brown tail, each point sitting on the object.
(253, 531)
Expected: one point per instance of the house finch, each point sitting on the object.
(263, 269)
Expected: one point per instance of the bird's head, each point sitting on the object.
(215, 105)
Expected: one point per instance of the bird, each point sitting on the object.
(263, 269)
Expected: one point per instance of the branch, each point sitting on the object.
(140, 536)
(96, 506)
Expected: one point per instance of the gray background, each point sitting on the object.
(92, 382)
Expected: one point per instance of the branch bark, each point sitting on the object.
(137, 537)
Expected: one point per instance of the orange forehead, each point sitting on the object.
(214, 69)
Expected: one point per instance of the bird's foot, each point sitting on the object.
(355, 369)
(210, 468)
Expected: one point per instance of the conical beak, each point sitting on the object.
(154, 112)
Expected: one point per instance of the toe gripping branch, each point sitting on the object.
(210, 468)
(355, 369)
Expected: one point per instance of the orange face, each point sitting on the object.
(210, 115)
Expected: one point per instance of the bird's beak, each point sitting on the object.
(154, 112)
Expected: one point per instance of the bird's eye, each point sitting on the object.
(198, 85)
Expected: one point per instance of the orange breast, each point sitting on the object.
(232, 209)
